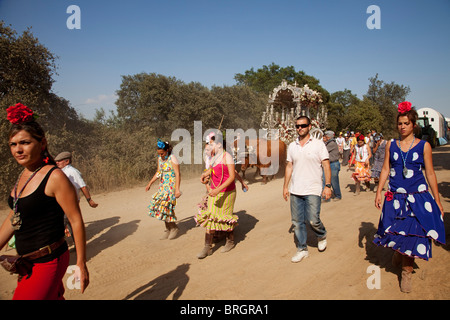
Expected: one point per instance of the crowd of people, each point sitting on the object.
(365, 154)
(412, 214)
(312, 176)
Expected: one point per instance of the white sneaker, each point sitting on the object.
(300, 255)
(322, 245)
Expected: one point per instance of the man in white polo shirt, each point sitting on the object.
(303, 184)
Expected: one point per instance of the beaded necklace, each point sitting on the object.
(16, 220)
(405, 170)
(212, 171)
(361, 152)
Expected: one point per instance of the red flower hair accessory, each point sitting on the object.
(404, 106)
(19, 114)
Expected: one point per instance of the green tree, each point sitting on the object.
(242, 107)
(268, 77)
(362, 116)
(386, 96)
(146, 100)
(195, 102)
(338, 108)
(26, 75)
(26, 69)
(165, 104)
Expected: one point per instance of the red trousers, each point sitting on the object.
(45, 282)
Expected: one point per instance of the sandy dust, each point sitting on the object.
(126, 259)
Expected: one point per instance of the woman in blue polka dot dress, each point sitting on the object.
(411, 217)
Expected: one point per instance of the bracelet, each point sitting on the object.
(88, 199)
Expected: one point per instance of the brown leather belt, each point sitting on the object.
(44, 251)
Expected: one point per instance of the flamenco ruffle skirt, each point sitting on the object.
(162, 206)
(409, 223)
(218, 216)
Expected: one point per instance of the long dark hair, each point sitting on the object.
(36, 131)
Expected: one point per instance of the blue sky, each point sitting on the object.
(209, 41)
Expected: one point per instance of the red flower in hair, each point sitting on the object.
(404, 106)
(19, 114)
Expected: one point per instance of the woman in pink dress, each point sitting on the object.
(218, 216)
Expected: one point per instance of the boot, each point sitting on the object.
(218, 236)
(407, 270)
(229, 243)
(357, 189)
(166, 232)
(173, 230)
(207, 249)
(406, 281)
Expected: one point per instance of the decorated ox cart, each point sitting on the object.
(285, 104)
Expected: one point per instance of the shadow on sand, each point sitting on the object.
(161, 287)
(115, 234)
(176, 280)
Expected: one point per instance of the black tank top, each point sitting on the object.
(42, 222)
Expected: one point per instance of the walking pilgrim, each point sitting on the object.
(411, 217)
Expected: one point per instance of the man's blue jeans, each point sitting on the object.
(335, 168)
(303, 209)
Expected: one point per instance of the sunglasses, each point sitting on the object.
(298, 126)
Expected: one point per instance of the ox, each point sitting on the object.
(269, 157)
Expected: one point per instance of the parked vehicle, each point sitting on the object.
(426, 132)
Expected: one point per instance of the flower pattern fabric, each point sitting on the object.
(362, 170)
(162, 205)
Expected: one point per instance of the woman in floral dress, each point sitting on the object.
(411, 217)
(162, 205)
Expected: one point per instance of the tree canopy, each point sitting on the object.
(264, 79)
(165, 104)
(386, 96)
(26, 75)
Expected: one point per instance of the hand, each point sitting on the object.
(378, 200)
(93, 204)
(84, 276)
(205, 177)
(213, 192)
(177, 194)
(244, 186)
(148, 187)
(286, 193)
(441, 208)
(326, 193)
